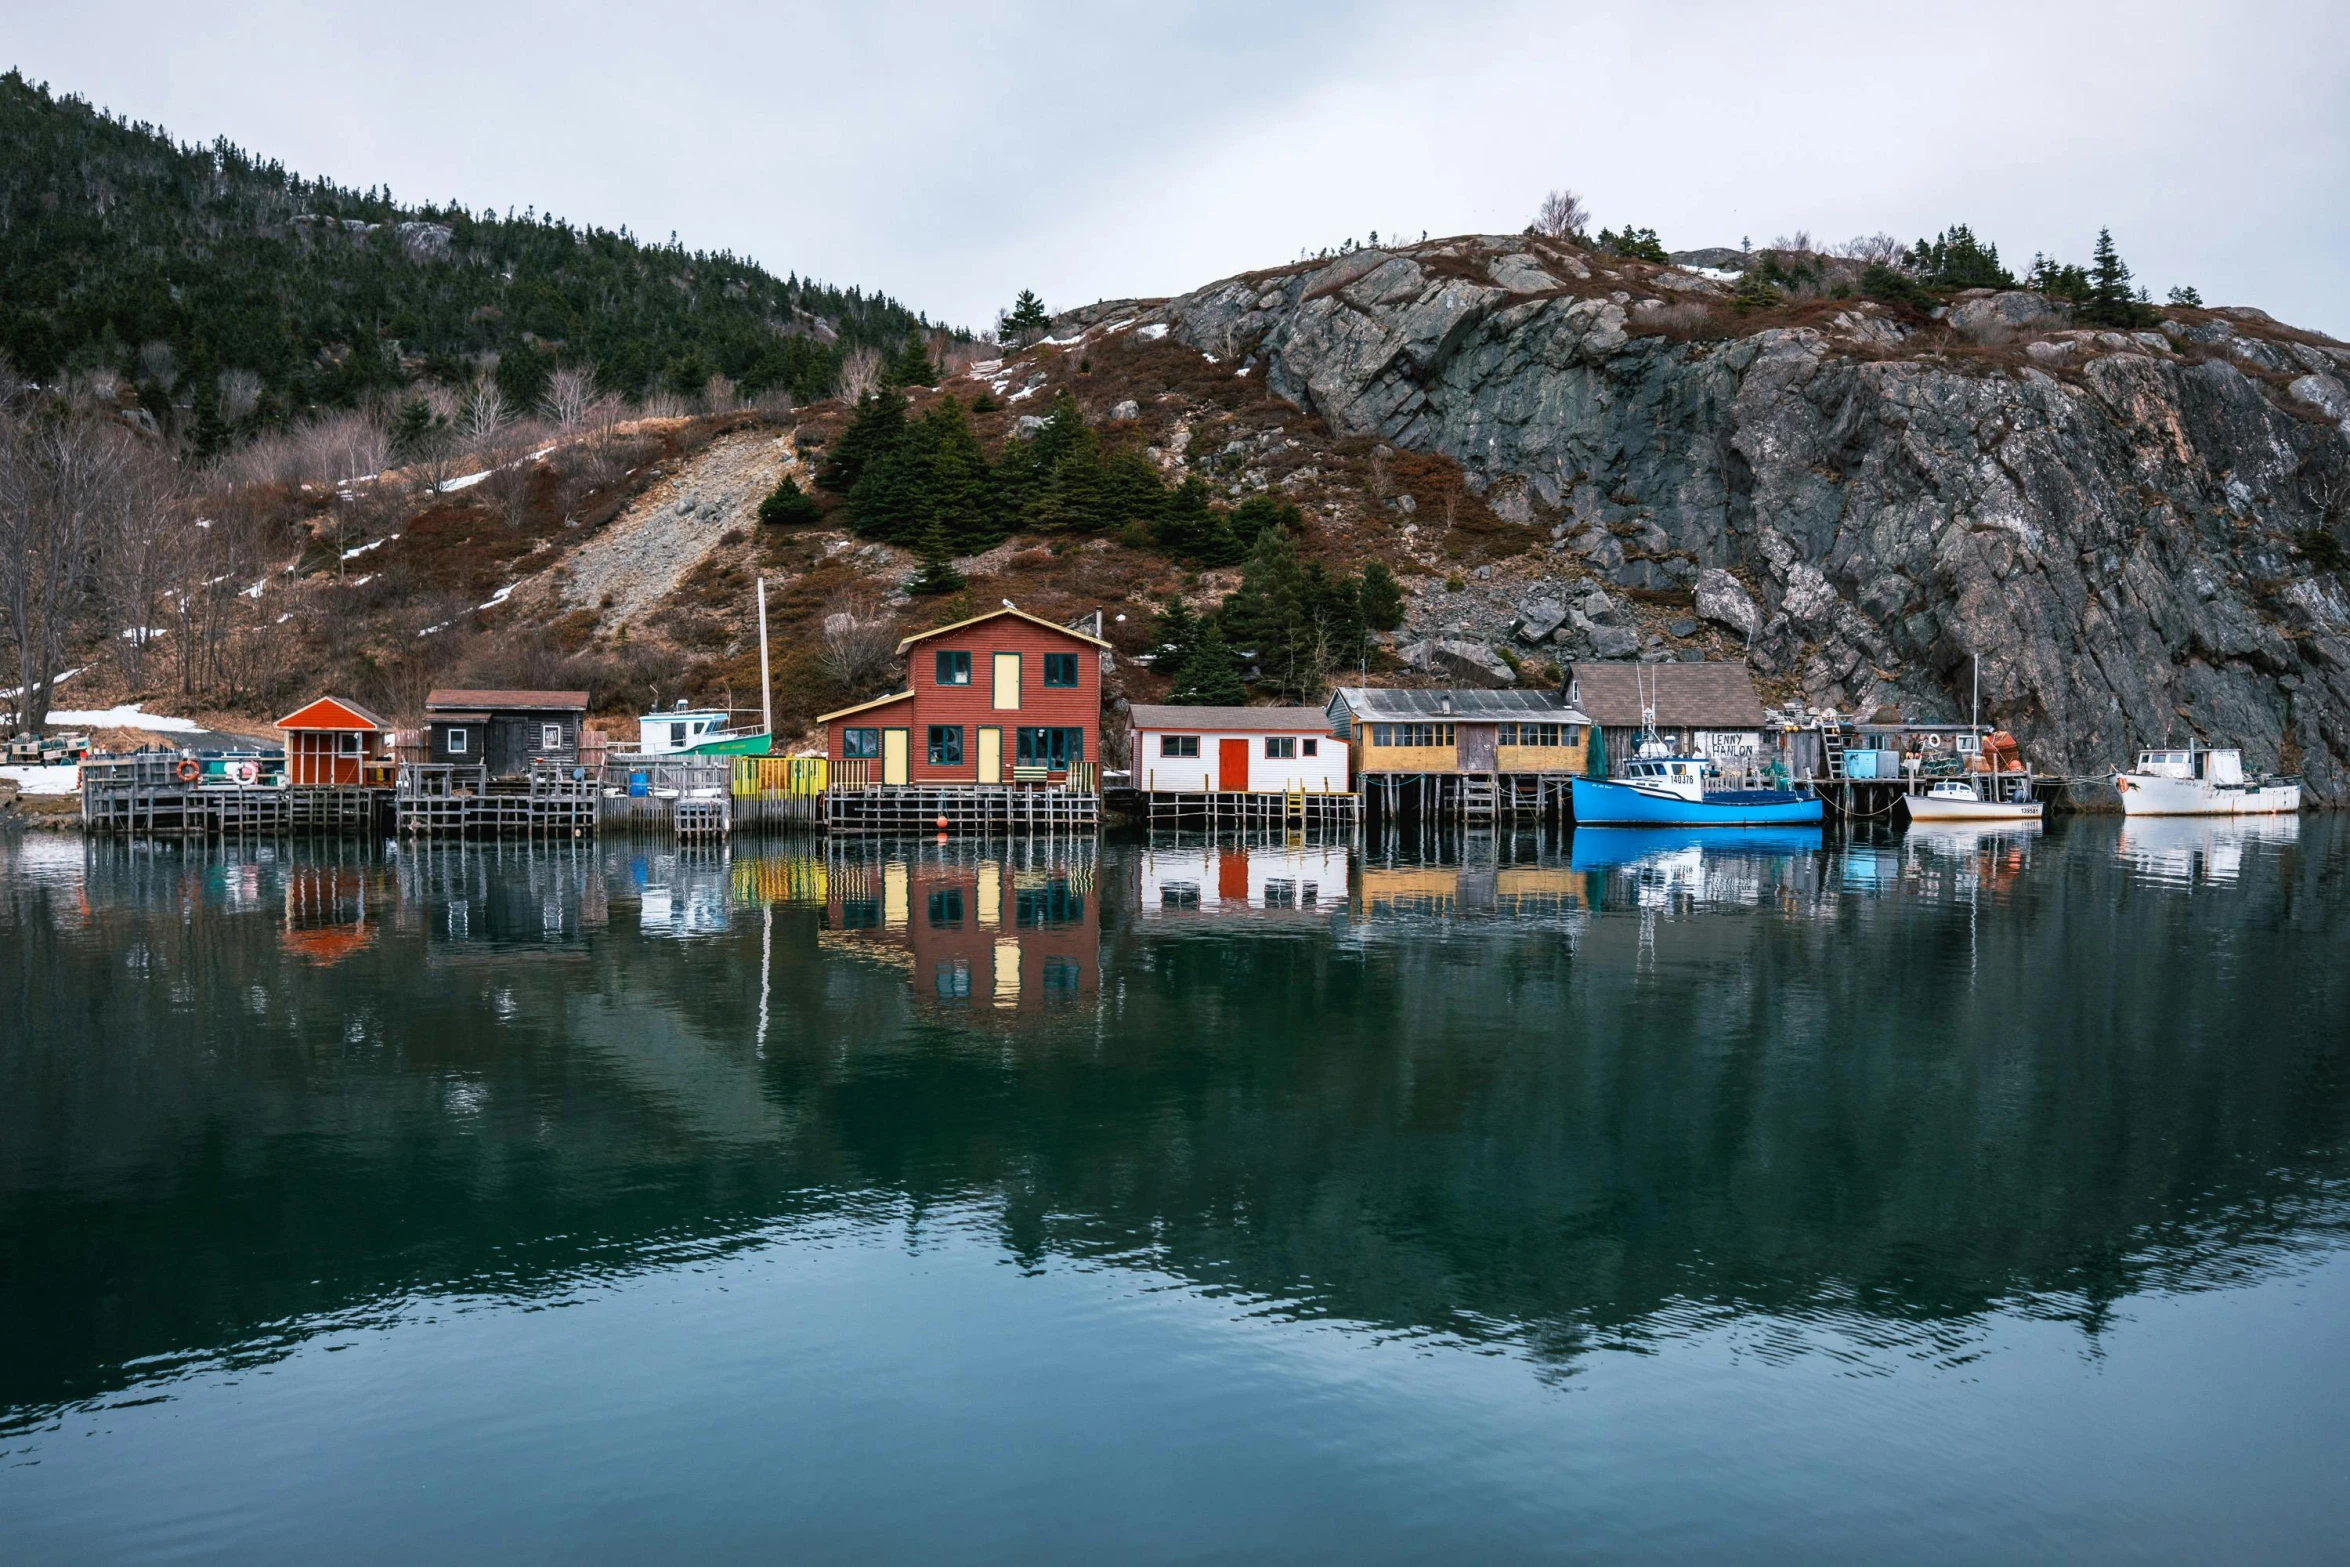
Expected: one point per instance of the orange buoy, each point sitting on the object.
(190, 770)
(942, 824)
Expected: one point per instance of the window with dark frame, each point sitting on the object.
(946, 909)
(860, 744)
(1052, 748)
(946, 745)
(1312, 748)
(1060, 669)
(1179, 745)
(954, 669)
(1280, 747)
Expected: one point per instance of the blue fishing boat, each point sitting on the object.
(1669, 791)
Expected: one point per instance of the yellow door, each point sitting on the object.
(1007, 682)
(893, 756)
(991, 755)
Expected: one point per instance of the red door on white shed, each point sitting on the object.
(1232, 766)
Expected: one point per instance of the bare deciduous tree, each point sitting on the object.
(59, 476)
(138, 539)
(1562, 215)
(240, 395)
(484, 414)
(1878, 249)
(571, 394)
(859, 644)
(718, 395)
(860, 373)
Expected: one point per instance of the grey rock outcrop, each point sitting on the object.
(1723, 599)
(2117, 529)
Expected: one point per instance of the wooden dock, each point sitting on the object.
(451, 800)
(145, 794)
(964, 810)
(1215, 811)
(1469, 797)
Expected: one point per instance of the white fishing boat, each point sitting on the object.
(2193, 781)
(1967, 800)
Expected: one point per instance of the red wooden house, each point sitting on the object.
(334, 742)
(1004, 697)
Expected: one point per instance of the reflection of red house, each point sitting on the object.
(983, 934)
(1005, 697)
(336, 742)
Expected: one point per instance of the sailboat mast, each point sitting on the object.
(766, 691)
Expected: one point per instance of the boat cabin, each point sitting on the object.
(679, 729)
(1683, 777)
(334, 742)
(2225, 768)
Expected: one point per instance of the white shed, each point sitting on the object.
(1234, 750)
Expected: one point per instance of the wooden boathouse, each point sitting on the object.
(991, 734)
(1705, 710)
(1472, 754)
(500, 763)
(1241, 766)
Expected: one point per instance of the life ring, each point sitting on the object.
(1933, 742)
(248, 772)
(190, 770)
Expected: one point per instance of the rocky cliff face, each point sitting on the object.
(2128, 528)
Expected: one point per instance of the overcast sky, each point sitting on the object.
(951, 154)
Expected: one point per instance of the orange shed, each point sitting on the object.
(336, 742)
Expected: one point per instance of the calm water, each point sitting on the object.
(1630, 1199)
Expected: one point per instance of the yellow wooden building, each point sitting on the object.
(1472, 753)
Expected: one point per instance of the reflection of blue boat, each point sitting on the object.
(1609, 848)
(1669, 791)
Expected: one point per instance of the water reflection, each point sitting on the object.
(1496, 1088)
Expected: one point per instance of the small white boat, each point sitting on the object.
(2198, 782)
(1961, 800)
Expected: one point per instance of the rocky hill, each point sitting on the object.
(2138, 532)
(1560, 453)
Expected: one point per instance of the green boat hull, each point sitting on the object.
(730, 745)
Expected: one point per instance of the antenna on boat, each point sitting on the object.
(766, 691)
(1975, 713)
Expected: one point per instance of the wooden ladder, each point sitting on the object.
(1477, 797)
(1832, 748)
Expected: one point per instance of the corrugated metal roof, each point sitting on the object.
(1388, 703)
(1687, 696)
(1302, 720)
(508, 701)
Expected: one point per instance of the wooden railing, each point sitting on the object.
(781, 777)
(853, 772)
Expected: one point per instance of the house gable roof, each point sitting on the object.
(507, 701)
(1686, 696)
(1275, 720)
(331, 712)
(998, 614)
(861, 707)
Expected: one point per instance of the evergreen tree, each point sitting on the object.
(789, 506)
(1294, 620)
(1026, 320)
(936, 476)
(416, 430)
(1173, 635)
(1209, 677)
(2186, 296)
(1956, 259)
(910, 365)
(1382, 598)
(1191, 528)
(2059, 281)
(938, 574)
(1636, 244)
(878, 428)
(2112, 299)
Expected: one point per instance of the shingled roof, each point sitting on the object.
(1687, 696)
(1384, 704)
(506, 701)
